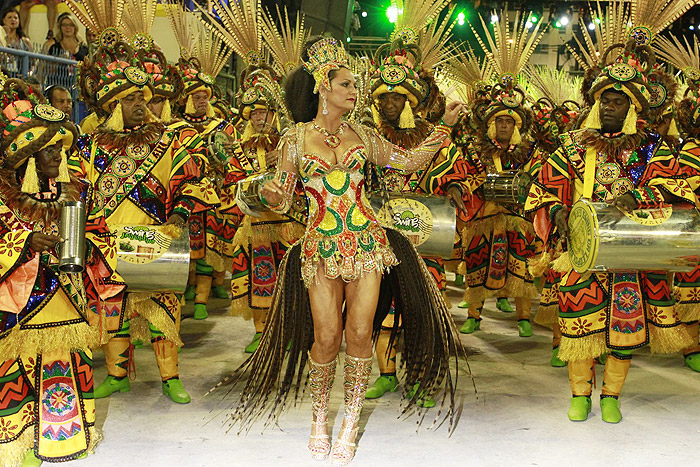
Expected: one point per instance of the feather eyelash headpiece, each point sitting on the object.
(286, 43)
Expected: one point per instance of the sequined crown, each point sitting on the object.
(325, 55)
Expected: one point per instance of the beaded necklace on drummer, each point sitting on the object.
(332, 140)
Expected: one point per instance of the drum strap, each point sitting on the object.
(589, 173)
(497, 162)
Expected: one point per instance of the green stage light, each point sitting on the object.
(392, 13)
(460, 18)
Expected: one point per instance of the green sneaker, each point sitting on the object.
(381, 386)
(174, 390)
(425, 402)
(524, 328)
(504, 305)
(610, 410)
(138, 343)
(470, 325)
(253, 346)
(190, 293)
(693, 362)
(555, 361)
(219, 291)
(110, 385)
(580, 408)
(459, 280)
(30, 460)
(463, 304)
(200, 311)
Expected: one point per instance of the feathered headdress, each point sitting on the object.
(686, 57)
(240, 28)
(137, 22)
(650, 17)
(508, 50)
(413, 16)
(100, 18)
(286, 43)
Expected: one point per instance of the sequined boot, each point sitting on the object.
(321, 376)
(357, 372)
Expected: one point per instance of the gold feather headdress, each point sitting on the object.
(433, 41)
(650, 17)
(240, 28)
(557, 86)
(611, 28)
(183, 26)
(137, 22)
(99, 17)
(508, 49)
(682, 55)
(472, 73)
(413, 16)
(286, 43)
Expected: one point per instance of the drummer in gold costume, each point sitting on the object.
(144, 177)
(404, 93)
(263, 236)
(213, 230)
(498, 239)
(613, 159)
(684, 56)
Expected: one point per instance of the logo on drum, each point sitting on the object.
(410, 217)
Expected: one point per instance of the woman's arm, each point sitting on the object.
(277, 193)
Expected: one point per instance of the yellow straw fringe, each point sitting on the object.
(189, 106)
(142, 304)
(547, 315)
(115, 122)
(582, 348)
(167, 113)
(538, 267)
(669, 340)
(406, 119)
(63, 175)
(138, 329)
(239, 307)
(24, 343)
(30, 184)
(563, 263)
(12, 453)
(515, 138)
(593, 119)
(630, 125)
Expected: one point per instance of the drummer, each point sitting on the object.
(612, 159)
(404, 112)
(498, 239)
(144, 178)
(260, 242)
(213, 250)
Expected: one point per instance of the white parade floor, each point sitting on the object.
(517, 419)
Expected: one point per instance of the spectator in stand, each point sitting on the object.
(14, 35)
(34, 83)
(60, 97)
(24, 11)
(67, 43)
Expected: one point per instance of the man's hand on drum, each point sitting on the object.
(625, 202)
(272, 192)
(561, 220)
(40, 242)
(453, 112)
(176, 219)
(271, 158)
(455, 195)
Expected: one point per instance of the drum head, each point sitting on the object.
(217, 140)
(583, 236)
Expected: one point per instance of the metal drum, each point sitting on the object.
(217, 147)
(507, 187)
(248, 193)
(72, 231)
(149, 259)
(601, 237)
(428, 221)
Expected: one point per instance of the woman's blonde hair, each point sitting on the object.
(59, 34)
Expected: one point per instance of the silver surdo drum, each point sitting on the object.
(149, 259)
(428, 221)
(601, 238)
(509, 188)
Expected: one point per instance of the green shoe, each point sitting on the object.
(602, 359)
(580, 408)
(381, 386)
(463, 304)
(555, 361)
(253, 346)
(693, 362)
(219, 291)
(459, 280)
(30, 460)
(470, 325)
(110, 385)
(425, 402)
(610, 410)
(174, 390)
(524, 328)
(200, 311)
(138, 343)
(504, 305)
(190, 293)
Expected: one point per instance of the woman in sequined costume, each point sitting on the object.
(344, 256)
